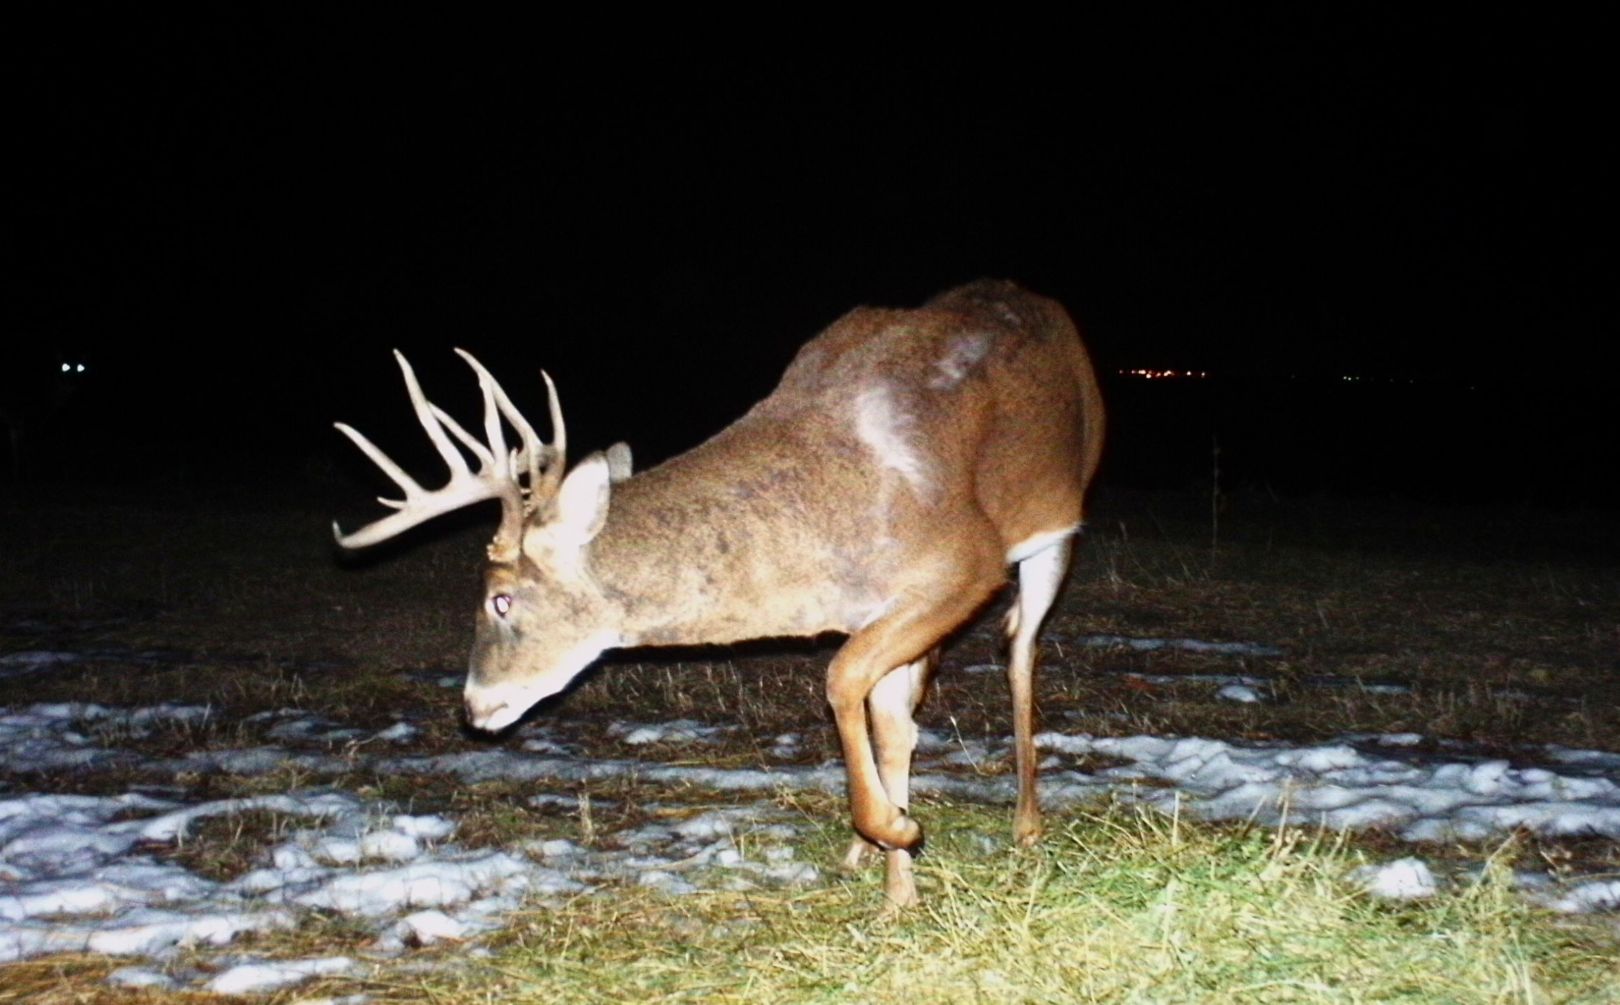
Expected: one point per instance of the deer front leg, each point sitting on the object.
(893, 641)
(878, 818)
(894, 734)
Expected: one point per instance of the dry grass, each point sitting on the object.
(1503, 636)
(1505, 627)
(1118, 906)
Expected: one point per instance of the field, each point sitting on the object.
(1474, 637)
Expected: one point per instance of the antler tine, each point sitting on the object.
(494, 478)
(533, 449)
(467, 439)
(559, 442)
(406, 483)
(430, 424)
(492, 425)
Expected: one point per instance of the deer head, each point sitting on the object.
(544, 618)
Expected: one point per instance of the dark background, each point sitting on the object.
(232, 220)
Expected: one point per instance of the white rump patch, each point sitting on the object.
(887, 431)
(1038, 543)
(963, 353)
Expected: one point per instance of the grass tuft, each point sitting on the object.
(1119, 905)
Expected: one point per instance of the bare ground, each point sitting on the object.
(1505, 625)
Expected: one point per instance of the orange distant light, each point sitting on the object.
(1151, 374)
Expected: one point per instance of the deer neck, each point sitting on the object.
(705, 550)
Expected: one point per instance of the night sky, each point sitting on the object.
(236, 219)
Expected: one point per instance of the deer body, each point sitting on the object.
(904, 461)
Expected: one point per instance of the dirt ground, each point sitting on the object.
(1495, 627)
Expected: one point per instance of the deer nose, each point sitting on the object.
(481, 709)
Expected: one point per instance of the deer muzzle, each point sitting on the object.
(492, 709)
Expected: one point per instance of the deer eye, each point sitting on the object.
(501, 604)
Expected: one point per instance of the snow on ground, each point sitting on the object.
(92, 874)
(99, 874)
(1402, 879)
(1184, 645)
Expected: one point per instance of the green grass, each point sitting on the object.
(1119, 905)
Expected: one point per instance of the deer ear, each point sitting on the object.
(581, 505)
(618, 459)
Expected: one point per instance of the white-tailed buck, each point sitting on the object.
(905, 460)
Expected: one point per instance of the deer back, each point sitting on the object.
(895, 439)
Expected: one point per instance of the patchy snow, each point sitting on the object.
(1338, 785)
(99, 874)
(30, 661)
(1231, 687)
(258, 978)
(1398, 739)
(1183, 645)
(1402, 879)
(1242, 693)
(636, 734)
(399, 732)
(1603, 895)
(423, 928)
(141, 977)
(96, 873)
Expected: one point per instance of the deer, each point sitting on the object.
(905, 461)
(37, 390)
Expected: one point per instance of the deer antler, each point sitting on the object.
(500, 473)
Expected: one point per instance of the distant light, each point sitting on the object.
(1149, 374)
(66, 368)
(79, 368)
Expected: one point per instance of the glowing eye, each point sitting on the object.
(501, 604)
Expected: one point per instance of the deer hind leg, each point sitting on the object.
(894, 735)
(1039, 576)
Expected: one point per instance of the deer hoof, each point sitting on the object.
(1027, 836)
(897, 903)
